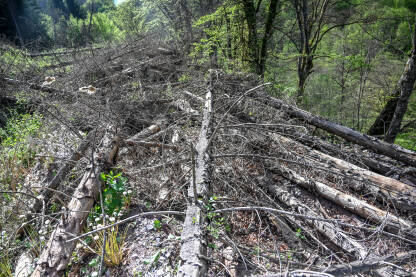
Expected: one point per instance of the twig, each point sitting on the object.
(124, 221)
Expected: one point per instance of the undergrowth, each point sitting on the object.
(407, 140)
(17, 151)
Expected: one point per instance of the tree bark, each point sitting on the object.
(406, 84)
(387, 189)
(393, 151)
(382, 123)
(250, 13)
(267, 35)
(12, 9)
(346, 201)
(193, 241)
(58, 252)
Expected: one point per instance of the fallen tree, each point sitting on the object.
(58, 252)
(391, 150)
(385, 188)
(193, 238)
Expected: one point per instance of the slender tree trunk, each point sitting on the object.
(305, 59)
(250, 13)
(89, 25)
(268, 32)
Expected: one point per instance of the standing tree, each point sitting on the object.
(258, 52)
(389, 120)
(406, 85)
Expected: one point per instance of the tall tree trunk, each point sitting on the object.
(393, 112)
(12, 9)
(250, 13)
(268, 32)
(382, 123)
(89, 25)
(407, 82)
(305, 64)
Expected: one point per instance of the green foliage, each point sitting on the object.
(407, 140)
(16, 61)
(224, 35)
(157, 224)
(5, 267)
(102, 29)
(133, 18)
(115, 193)
(17, 152)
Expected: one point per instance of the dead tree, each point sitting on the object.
(393, 151)
(194, 244)
(58, 252)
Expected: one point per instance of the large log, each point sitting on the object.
(391, 150)
(341, 240)
(401, 194)
(58, 251)
(344, 200)
(370, 264)
(193, 241)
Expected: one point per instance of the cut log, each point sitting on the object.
(37, 87)
(34, 55)
(401, 194)
(341, 240)
(344, 200)
(391, 150)
(57, 254)
(193, 239)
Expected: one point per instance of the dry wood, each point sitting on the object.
(341, 240)
(62, 52)
(391, 150)
(58, 252)
(65, 169)
(297, 273)
(346, 201)
(401, 194)
(152, 129)
(193, 240)
(382, 167)
(369, 264)
(35, 86)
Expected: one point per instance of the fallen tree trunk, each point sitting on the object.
(64, 170)
(34, 55)
(57, 254)
(391, 150)
(401, 194)
(193, 241)
(334, 234)
(346, 201)
(36, 87)
(341, 240)
(369, 264)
